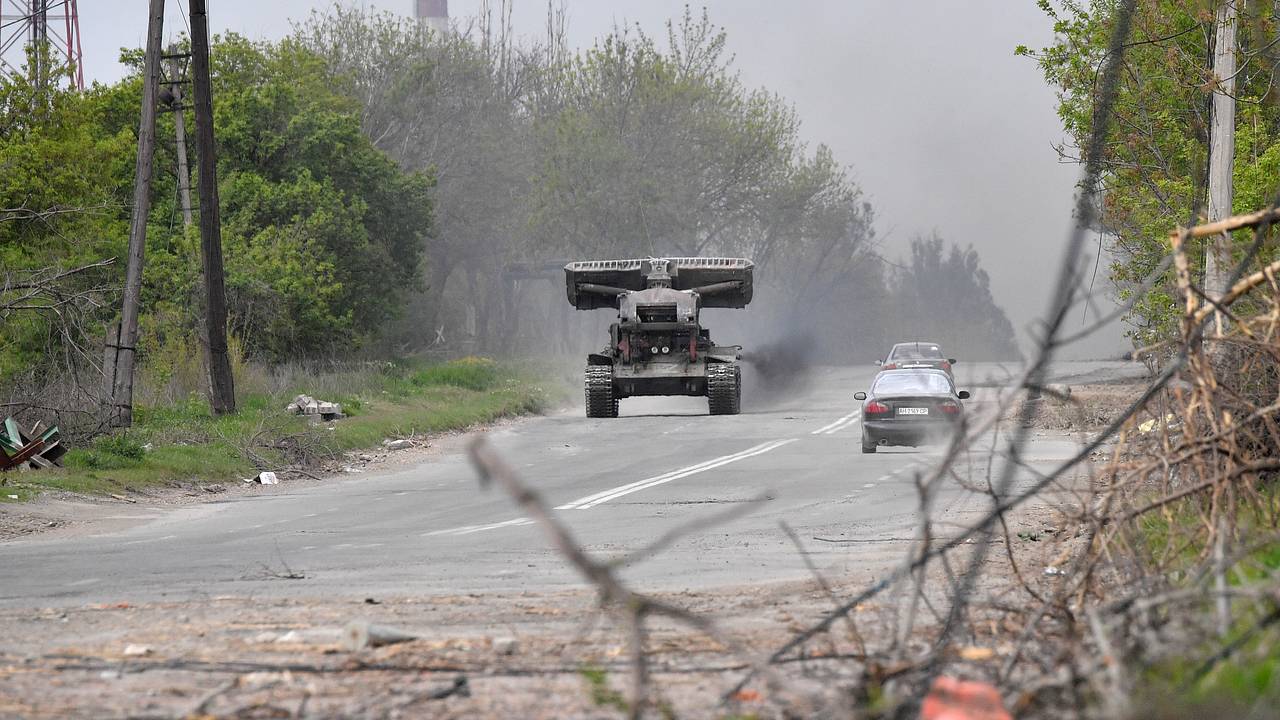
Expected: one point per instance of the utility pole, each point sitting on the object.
(222, 396)
(180, 130)
(126, 352)
(1222, 149)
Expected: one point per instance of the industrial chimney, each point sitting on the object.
(433, 13)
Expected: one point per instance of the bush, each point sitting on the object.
(109, 452)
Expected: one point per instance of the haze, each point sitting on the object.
(944, 127)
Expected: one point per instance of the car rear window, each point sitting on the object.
(917, 350)
(907, 383)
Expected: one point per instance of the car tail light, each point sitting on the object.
(876, 408)
(889, 366)
(946, 365)
(950, 408)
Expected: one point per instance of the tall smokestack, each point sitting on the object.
(433, 13)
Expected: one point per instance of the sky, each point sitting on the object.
(943, 127)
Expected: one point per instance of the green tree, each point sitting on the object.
(1157, 148)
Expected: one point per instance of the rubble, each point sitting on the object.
(315, 410)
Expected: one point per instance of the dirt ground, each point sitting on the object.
(551, 655)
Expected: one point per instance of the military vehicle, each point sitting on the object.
(657, 346)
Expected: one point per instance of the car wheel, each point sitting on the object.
(868, 447)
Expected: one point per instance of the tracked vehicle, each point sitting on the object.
(658, 346)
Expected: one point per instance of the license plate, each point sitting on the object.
(913, 411)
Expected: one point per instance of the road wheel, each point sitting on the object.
(601, 400)
(868, 446)
(724, 388)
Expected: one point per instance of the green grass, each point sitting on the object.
(1177, 687)
(181, 442)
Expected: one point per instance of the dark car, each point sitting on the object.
(910, 407)
(917, 355)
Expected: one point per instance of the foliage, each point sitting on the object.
(946, 294)
(186, 444)
(1157, 146)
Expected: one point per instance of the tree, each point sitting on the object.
(1157, 149)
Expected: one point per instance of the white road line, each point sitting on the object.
(833, 424)
(843, 424)
(468, 529)
(590, 501)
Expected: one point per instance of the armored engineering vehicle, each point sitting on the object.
(657, 346)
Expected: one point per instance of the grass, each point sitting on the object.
(1179, 687)
(180, 442)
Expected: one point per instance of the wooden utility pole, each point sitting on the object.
(180, 130)
(222, 396)
(126, 352)
(1222, 149)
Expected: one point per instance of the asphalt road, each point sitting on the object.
(619, 483)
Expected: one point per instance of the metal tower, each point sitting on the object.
(54, 24)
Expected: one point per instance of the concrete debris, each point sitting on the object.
(397, 444)
(267, 478)
(360, 634)
(1058, 391)
(506, 645)
(132, 650)
(315, 410)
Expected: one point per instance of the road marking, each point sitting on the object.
(590, 501)
(86, 581)
(836, 425)
(846, 424)
(468, 529)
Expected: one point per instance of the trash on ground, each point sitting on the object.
(506, 645)
(132, 650)
(318, 410)
(34, 449)
(267, 478)
(397, 444)
(360, 634)
(954, 699)
(1054, 570)
(1153, 423)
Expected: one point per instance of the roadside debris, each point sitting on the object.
(132, 650)
(264, 478)
(506, 645)
(397, 444)
(361, 634)
(34, 449)
(315, 410)
(952, 699)
(1154, 423)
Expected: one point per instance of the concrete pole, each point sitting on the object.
(222, 396)
(180, 130)
(1222, 146)
(122, 397)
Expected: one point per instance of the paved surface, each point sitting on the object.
(618, 482)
